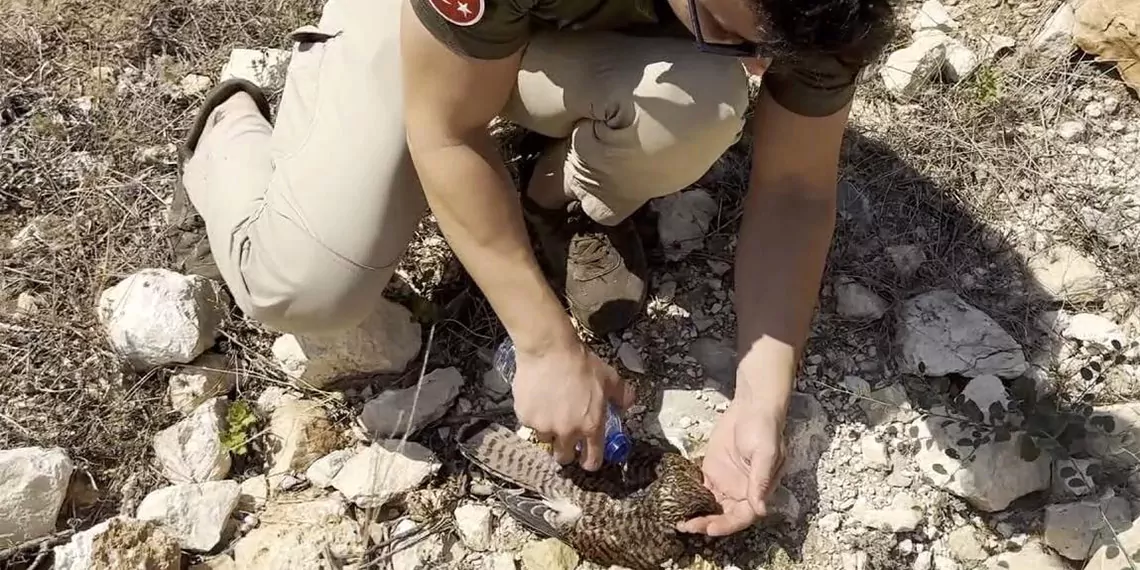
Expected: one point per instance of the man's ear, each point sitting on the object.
(756, 66)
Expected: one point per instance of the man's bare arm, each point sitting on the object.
(450, 100)
(560, 385)
(785, 234)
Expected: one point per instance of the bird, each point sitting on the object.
(623, 515)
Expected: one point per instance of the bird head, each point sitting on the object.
(680, 493)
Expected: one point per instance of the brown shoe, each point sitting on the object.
(600, 270)
(187, 231)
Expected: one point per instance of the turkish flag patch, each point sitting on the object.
(460, 12)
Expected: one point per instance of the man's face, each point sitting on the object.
(723, 25)
(721, 21)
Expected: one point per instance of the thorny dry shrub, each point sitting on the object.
(88, 120)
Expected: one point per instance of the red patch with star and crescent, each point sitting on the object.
(459, 12)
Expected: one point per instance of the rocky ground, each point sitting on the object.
(967, 400)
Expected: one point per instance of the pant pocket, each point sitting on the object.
(309, 35)
(296, 114)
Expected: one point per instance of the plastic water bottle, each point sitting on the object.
(616, 450)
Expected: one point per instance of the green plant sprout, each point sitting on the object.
(239, 421)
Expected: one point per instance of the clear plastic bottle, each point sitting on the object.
(616, 442)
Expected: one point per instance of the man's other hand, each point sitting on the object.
(741, 466)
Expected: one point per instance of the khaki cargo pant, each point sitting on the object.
(308, 218)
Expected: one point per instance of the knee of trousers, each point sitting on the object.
(704, 128)
(658, 142)
(315, 301)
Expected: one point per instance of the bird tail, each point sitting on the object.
(502, 453)
(546, 518)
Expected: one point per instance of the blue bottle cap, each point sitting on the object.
(617, 448)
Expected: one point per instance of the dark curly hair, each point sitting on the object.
(855, 31)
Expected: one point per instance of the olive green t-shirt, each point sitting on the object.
(492, 29)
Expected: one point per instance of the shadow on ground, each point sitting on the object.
(886, 207)
(891, 213)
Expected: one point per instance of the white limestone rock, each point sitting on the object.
(912, 68)
(157, 317)
(264, 67)
(191, 451)
(383, 471)
(383, 343)
(206, 378)
(395, 413)
(34, 485)
(683, 221)
(194, 512)
(940, 334)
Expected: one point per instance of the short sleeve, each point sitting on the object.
(811, 86)
(482, 29)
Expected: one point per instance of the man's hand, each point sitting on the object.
(785, 232)
(742, 466)
(562, 394)
(560, 386)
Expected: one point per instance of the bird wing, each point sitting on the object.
(502, 453)
(546, 518)
(611, 533)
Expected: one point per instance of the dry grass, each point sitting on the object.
(963, 171)
(90, 155)
(968, 173)
(981, 170)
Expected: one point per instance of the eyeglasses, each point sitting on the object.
(743, 49)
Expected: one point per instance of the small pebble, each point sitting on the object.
(631, 358)
(1070, 130)
(830, 522)
(481, 489)
(924, 561)
(719, 267)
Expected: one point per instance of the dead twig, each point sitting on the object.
(40, 544)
